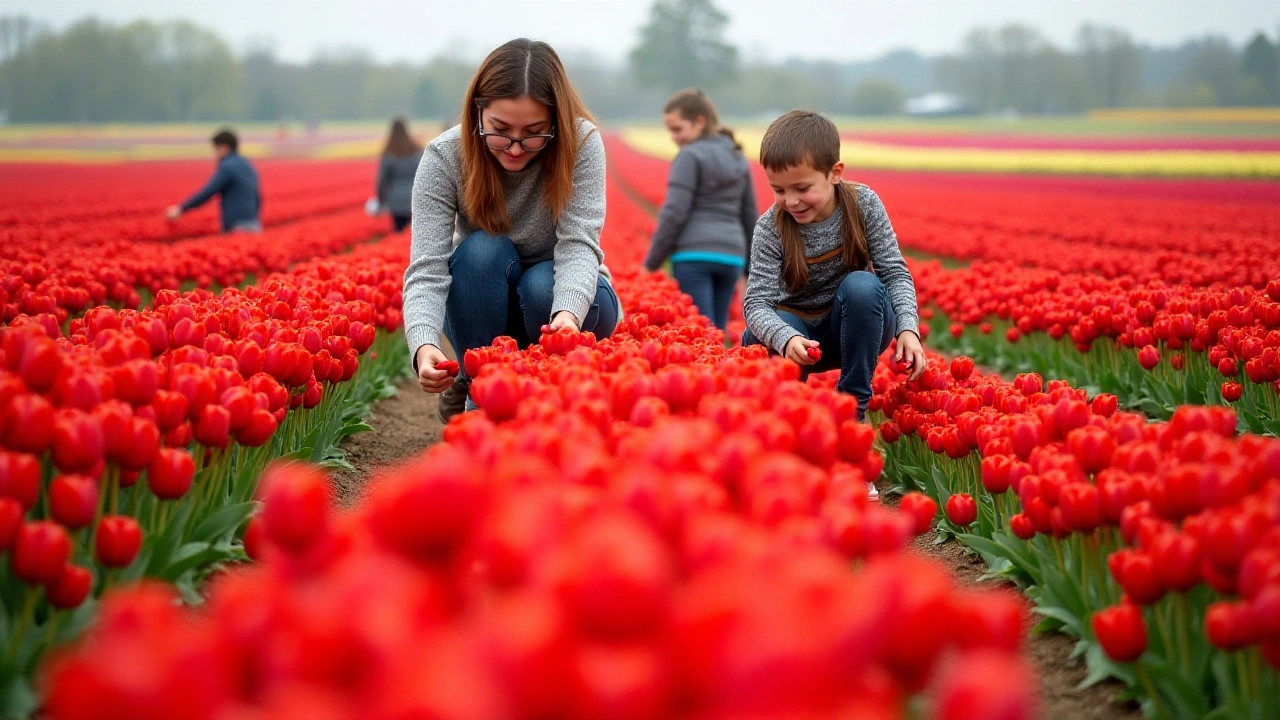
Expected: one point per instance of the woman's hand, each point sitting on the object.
(910, 352)
(797, 350)
(431, 378)
(564, 319)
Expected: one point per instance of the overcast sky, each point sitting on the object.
(415, 30)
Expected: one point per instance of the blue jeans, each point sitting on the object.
(710, 285)
(492, 293)
(852, 336)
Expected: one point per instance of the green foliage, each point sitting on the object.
(683, 45)
(877, 97)
(1261, 64)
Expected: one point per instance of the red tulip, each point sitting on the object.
(921, 508)
(296, 503)
(497, 393)
(1232, 391)
(988, 685)
(1226, 624)
(170, 474)
(1081, 508)
(962, 368)
(40, 552)
(212, 426)
(29, 424)
(11, 517)
(77, 441)
(70, 589)
(1148, 357)
(118, 541)
(1021, 526)
(20, 478)
(73, 500)
(261, 426)
(962, 510)
(1135, 571)
(1121, 631)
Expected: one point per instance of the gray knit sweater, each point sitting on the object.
(765, 290)
(440, 223)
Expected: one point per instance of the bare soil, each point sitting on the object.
(403, 426)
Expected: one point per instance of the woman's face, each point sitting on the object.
(517, 118)
(683, 131)
(808, 194)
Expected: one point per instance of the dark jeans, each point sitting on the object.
(400, 222)
(852, 336)
(710, 285)
(492, 293)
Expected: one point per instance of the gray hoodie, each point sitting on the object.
(710, 204)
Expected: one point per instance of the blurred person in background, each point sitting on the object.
(235, 181)
(709, 213)
(396, 171)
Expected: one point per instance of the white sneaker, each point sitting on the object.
(872, 493)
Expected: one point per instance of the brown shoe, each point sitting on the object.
(453, 400)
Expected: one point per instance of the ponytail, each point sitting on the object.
(854, 251)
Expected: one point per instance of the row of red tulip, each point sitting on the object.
(1157, 544)
(1140, 236)
(88, 204)
(62, 279)
(1157, 346)
(1221, 343)
(131, 445)
(573, 550)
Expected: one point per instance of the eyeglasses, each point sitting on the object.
(529, 143)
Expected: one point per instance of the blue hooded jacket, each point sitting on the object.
(237, 182)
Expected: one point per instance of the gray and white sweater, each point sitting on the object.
(765, 289)
(440, 222)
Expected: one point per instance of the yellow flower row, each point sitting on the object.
(1188, 115)
(857, 154)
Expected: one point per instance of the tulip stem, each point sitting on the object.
(1151, 691)
(25, 619)
(1181, 620)
(1243, 670)
(1162, 624)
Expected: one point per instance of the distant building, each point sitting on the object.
(937, 104)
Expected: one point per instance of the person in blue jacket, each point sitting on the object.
(236, 181)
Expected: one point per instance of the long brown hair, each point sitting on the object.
(692, 104)
(399, 143)
(517, 69)
(807, 139)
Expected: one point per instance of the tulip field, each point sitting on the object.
(658, 524)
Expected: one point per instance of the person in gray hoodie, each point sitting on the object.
(396, 171)
(709, 213)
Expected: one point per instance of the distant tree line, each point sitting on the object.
(94, 71)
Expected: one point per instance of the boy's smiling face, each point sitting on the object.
(808, 194)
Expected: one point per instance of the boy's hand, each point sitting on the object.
(564, 319)
(431, 377)
(910, 352)
(797, 350)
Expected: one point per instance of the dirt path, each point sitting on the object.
(403, 426)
